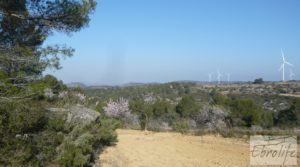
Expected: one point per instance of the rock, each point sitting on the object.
(78, 114)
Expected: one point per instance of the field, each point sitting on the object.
(150, 149)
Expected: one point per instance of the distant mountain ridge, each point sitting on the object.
(82, 85)
(76, 84)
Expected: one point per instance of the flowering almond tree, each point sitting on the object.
(117, 109)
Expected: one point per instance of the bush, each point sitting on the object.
(289, 117)
(267, 120)
(161, 108)
(181, 126)
(19, 126)
(144, 111)
(213, 118)
(187, 107)
(218, 99)
(248, 111)
(44, 85)
(17, 118)
(33, 136)
(84, 141)
(258, 81)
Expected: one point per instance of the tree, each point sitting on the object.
(29, 22)
(25, 25)
(258, 81)
(160, 108)
(144, 110)
(117, 109)
(245, 112)
(30, 134)
(290, 117)
(187, 107)
(296, 108)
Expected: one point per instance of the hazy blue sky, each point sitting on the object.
(167, 40)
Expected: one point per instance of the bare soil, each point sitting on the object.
(166, 149)
(291, 95)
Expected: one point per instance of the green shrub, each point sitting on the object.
(187, 107)
(38, 86)
(258, 81)
(248, 111)
(267, 120)
(84, 140)
(181, 126)
(33, 136)
(20, 126)
(144, 110)
(289, 117)
(19, 118)
(218, 99)
(72, 156)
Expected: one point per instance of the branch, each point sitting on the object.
(46, 21)
(13, 98)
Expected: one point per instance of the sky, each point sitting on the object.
(171, 40)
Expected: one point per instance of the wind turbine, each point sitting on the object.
(209, 77)
(219, 77)
(284, 62)
(228, 77)
(291, 74)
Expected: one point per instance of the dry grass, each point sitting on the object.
(290, 95)
(149, 149)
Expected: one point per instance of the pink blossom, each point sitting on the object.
(120, 108)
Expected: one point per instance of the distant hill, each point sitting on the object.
(76, 84)
(136, 84)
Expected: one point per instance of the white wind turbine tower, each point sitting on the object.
(291, 74)
(219, 77)
(284, 62)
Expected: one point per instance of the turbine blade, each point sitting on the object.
(282, 54)
(288, 63)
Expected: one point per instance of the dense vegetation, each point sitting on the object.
(42, 122)
(31, 134)
(183, 106)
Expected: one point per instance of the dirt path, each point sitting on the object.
(148, 149)
(290, 95)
